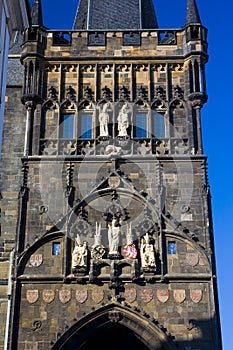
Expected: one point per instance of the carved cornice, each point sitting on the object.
(198, 99)
(30, 100)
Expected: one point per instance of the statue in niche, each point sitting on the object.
(79, 255)
(114, 231)
(123, 120)
(104, 120)
(147, 253)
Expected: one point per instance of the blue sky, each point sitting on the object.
(217, 122)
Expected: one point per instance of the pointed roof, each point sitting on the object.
(115, 15)
(192, 14)
(36, 13)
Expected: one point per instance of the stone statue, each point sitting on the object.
(123, 120)
(114, 231)
(112, 150)
(104, 120)
(147, 253)
(79, 254)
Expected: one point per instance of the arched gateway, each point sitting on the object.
(115, 326)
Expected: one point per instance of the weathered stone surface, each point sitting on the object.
(65, 184)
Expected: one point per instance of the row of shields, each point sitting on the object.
(130, 295)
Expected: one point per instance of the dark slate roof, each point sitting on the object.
(192, 14)
(15, 68)
(81, 15)
(115, 14)
(36, 13)
(149, 19)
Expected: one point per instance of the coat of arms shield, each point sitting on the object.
(32, 295)
(81, 296)
(130, 251)
(97, 296)
(147, 295)
(192, 259)
(114, 181)
(64, 295)
(48, 295)
(179, 295)
(130, 295)
(163, 295)
(196, 295)
(36, 260)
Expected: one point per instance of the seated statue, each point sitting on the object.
(79, 254)
(147, 253)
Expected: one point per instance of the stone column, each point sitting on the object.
(29, 102)
(199, 130)
(198, 99)
(27, 142)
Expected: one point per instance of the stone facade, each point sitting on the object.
(112, 211)
(13, 18)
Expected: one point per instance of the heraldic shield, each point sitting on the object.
(48, 295)
(147, 295)
(196, 295)
(179, 295)
(130, 295)
(36, 260)
(64, 295)
(97, 296)
(192, 259)
(163, 295)
(32, 296)
(81, 296)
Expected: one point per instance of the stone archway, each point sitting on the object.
(113, 337)
(114, 327)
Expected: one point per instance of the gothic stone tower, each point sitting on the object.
(114, 245)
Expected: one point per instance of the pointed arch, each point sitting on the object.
(159, 105)
(159, 119)
(175, 233)
(141, 119)
(101, 192)
(149, 333)
(86, 104)
(177, 114)
(49, 119)
(67, 119)
(86, 123)
(25, 256)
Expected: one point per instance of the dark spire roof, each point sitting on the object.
(192, 14)
(115, 14)
(36, 13)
